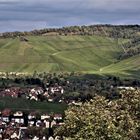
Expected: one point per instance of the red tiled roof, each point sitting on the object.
(6, 112)
(57, 115)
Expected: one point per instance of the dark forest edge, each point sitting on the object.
(116, 31)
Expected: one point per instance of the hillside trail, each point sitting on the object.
(101, 69)
(56, 53)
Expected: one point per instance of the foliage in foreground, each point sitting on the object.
(102, 119)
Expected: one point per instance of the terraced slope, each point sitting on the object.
(89, 54)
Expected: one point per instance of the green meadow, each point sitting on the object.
(28, 106)
(86, 54)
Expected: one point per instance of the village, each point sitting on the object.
(15, 125)
(36, 94)
(20, 125)
(52, 92)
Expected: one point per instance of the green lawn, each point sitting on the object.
(28, 106)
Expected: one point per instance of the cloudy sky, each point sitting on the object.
(24, 15)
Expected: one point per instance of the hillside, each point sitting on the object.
(87, 54)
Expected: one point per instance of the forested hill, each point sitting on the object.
(115, 31)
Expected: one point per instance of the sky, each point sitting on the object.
(26, 15)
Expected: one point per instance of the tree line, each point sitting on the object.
(132, 47)
(114, 31)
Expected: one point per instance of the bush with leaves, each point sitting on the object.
(101, 119)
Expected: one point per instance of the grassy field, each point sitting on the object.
(87, 54)
(28, 106)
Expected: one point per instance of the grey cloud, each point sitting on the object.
(30, 14)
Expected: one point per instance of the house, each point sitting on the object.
(46, 94)
(37, 90)
(62, 91)
(8, 132)
(39, 123)
(50, 99)
(7, 90)
(57, 90)
(77, 103)
(32, 119)
(31, 123)
(35, 138)
(13, 94)
(53, 123)
(22, 132)
(61, 101)
(57, 117)
(47, 89)
(2, 124)
(33, 90)
(32, 115)
(47, 123)
(45, 116)
(12, 123)
(57, 138)
(15, 135)
(18, 114)
(126, 88)
(18, 117)
(35, 98)
(51, 138)
(43, 138)
(61, 123)
(5, 115)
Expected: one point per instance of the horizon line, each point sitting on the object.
(60, 27)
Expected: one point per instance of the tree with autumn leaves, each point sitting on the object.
(102, 119)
